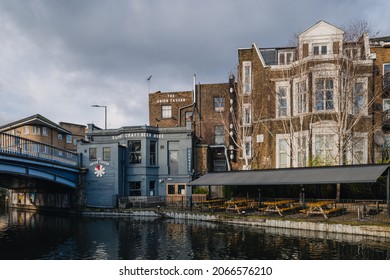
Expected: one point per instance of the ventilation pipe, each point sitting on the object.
(194, 91)
(193, 101)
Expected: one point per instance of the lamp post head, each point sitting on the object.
(105, 113)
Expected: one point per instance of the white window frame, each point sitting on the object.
(219, 104)
(352, 148)
(26, 130)
(300, 96)
(364, 109)
(279, 138)
(247, 77)
(326, 128)
(247, 114)
(326, 71)
(246, 150)
(36, 130)
(297, 148)
(69, 138)
(45, 131)
(324, 100)
(219, 134)
(286, 85)
(386, 104)
(164, 111)
(285, 54)
(386, 69)
(320, 46)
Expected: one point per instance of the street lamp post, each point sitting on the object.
(105, 113)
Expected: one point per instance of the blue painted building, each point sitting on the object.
(138, 161)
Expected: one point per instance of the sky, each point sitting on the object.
(57, 58)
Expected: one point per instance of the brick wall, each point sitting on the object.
(176, 100)
(205, 118)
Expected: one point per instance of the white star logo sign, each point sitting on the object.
(99, 170)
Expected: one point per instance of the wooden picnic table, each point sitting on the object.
(325, 208)
(240, 205)
(213, 204)
(279, 206)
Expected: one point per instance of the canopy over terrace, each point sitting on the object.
(298, 176)
(295, 176)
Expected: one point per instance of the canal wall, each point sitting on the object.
(366, 230)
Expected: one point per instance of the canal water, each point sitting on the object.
(28, 235)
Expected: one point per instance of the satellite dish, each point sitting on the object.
(379, 137)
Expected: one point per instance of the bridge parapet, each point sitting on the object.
(16, 145)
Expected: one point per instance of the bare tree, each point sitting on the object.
(239, 127)
(330, 94)
(355, 28)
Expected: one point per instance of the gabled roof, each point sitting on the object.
(320, 27)
(34, 120)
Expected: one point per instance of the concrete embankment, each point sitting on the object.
(329, 227)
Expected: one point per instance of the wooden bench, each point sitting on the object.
(212, 207)
(292, 208)
(333, 211)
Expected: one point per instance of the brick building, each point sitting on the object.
(380, 50)
(324, 101)
(205, 110)
(313, 104)
(42, 130)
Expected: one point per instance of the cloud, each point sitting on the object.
(59, 57)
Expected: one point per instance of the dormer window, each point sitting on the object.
(285, 58)
(320, 49)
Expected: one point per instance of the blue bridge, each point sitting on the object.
(29, 169)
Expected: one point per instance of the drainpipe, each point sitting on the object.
(192, 104)
(226, 154)
(373, 111)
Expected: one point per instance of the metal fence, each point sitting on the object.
(346, 210)
(16, 145)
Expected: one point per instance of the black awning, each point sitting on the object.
(294, 176)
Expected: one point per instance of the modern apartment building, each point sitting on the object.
(42, 130)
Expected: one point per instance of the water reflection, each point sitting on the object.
(28, 235)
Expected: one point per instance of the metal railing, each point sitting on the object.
(351, 210)
(16, 145)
